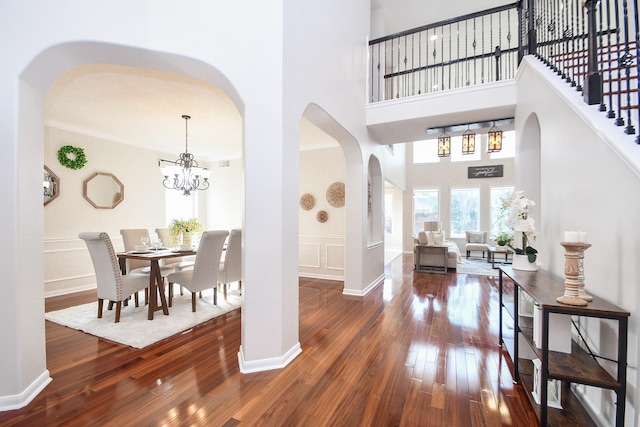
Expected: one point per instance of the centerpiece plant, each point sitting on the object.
(503, 238)
(520, 222)
(184, 228)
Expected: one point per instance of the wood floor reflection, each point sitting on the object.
(420, 350)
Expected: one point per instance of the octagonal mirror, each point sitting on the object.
(103, 190)
(50, 185)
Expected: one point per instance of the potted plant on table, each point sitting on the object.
(181, 231)
(523, 226)
(503, 238)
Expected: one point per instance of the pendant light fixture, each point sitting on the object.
(495, 139)
(185, 175)
(444, 145)
(468, 142)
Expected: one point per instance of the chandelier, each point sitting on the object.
(184, 174)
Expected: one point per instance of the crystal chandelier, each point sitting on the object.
(184, 174)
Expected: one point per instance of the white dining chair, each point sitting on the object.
(205, 270)
(231, 267)
(111, 284)
(179, 263)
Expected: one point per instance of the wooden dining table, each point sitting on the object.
(156, 284)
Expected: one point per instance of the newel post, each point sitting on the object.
(532, 38)
(593, 81)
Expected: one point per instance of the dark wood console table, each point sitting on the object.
(576, 367)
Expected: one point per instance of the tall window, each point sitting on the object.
(425, 208)
(465, 208)
(178, 206)
(498, 216)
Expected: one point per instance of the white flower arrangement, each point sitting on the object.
(520, 222)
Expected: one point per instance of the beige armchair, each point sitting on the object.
(477, 241)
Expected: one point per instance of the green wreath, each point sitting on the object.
(72, 157)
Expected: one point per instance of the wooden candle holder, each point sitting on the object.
(573, 273)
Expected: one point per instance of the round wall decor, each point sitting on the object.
(72, 157)
(322, 216)
(307, 201)
(335, 194)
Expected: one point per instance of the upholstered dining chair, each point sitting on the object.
(179, 263)
(231, 267)
(112, 285)
(205, 270)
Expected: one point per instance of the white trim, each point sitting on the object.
(374, 245)
(248, 367)
(63, 279)
(17, 401)
(317, 247)
(320, 276)
(365, 291)
(67, 291)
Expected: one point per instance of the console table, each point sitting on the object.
(436, 258)
(576, 367)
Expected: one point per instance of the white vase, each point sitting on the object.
(521, 262)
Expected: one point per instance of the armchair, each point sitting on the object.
(477, 241)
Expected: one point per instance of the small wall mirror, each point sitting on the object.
(103, 190)
(50, 185)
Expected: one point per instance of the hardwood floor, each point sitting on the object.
(420, 350)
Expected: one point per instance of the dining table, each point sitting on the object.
(156, 283)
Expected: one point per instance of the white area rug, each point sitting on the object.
(134, 329)
(476, 266)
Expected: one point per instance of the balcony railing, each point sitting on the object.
(591, 44)
(473, 49)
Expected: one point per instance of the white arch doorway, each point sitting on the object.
(355, 196)
(24, 371)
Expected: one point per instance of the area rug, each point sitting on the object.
(476, 266)
(134, 329)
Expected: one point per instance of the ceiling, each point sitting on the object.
(144, 108)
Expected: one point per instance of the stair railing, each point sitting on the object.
(588, 43)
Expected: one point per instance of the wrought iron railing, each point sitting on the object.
(477, 48)
(592, 44)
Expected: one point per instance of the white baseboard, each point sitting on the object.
(67, 291)
(17, 401)
(366, 290)
(321, 276)
(248, 367)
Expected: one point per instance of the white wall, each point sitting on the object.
(224, 198)
(330, 72)
(585, 185)
(321, 248)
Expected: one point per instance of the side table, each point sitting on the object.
(432, 258)
(493, 250)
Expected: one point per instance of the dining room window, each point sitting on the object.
(178, 206)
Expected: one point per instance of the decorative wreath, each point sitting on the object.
(72, 157)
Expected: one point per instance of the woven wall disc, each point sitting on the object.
(307, 201)
(322, 216)
(335, 194)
